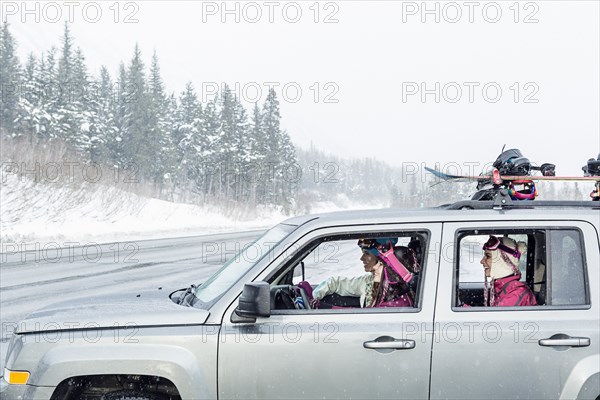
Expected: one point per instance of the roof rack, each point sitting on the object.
(493, 205)
(502, 201)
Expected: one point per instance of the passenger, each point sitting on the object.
(501, 263)
(390, 282)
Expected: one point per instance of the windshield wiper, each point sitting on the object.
(188, 296)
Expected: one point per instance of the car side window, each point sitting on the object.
(513, 268)
(567, 269)
(331, 258)
(340, 273)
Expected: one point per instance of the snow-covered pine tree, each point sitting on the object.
(137, 149)
(89, 135)
(10, 81)
(242, 143)
(48, 94)
(228, 145)
(187, 140)
(271, 179)
(256, 150)
(115, 145)
(210, 156)
(280, 157)
(157, 131)
(27, 121)
(102, 106)
(168, 149)
(67, 116)
(290, 173)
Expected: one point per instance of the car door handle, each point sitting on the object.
(564, 340)
(395, 344)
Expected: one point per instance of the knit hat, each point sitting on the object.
(506, 254)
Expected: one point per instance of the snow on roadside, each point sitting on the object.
(44, 213)
(94, 213)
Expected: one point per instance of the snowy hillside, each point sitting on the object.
(31, 212)
(36, 212)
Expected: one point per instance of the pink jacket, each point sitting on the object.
(510, 292)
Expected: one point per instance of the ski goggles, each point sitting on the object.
(366, 244)
(376, 246)
(495, 243)
(383, 243)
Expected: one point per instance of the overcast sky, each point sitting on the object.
(354, 71)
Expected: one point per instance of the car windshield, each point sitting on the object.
(237, 266)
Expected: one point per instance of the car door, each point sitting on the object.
(323, 353)
(547, 351)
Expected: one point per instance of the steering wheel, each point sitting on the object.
(304, 296)
(284, 297)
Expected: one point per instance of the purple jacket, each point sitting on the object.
(510, 292)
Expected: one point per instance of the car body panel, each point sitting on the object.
(322, 355)
(584, 380)
(146, 309)
(186, 356)
(24, 392)
(500, 346)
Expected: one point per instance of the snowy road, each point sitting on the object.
(35, 278)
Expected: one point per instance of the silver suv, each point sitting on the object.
(250, 331)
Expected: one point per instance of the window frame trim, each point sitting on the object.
(299, 254)
(459, 235)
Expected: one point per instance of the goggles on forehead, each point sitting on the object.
(366, 244)
(384, 243)
(494, 243)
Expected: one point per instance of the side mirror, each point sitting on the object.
(255, 300)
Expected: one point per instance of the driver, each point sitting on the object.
(390, 281)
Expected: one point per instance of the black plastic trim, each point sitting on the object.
(490, 205)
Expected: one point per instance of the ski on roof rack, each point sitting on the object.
(511, 178)
(592, 169)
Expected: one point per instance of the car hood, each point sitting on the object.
(139, 310)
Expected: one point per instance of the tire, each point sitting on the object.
(129, 395)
